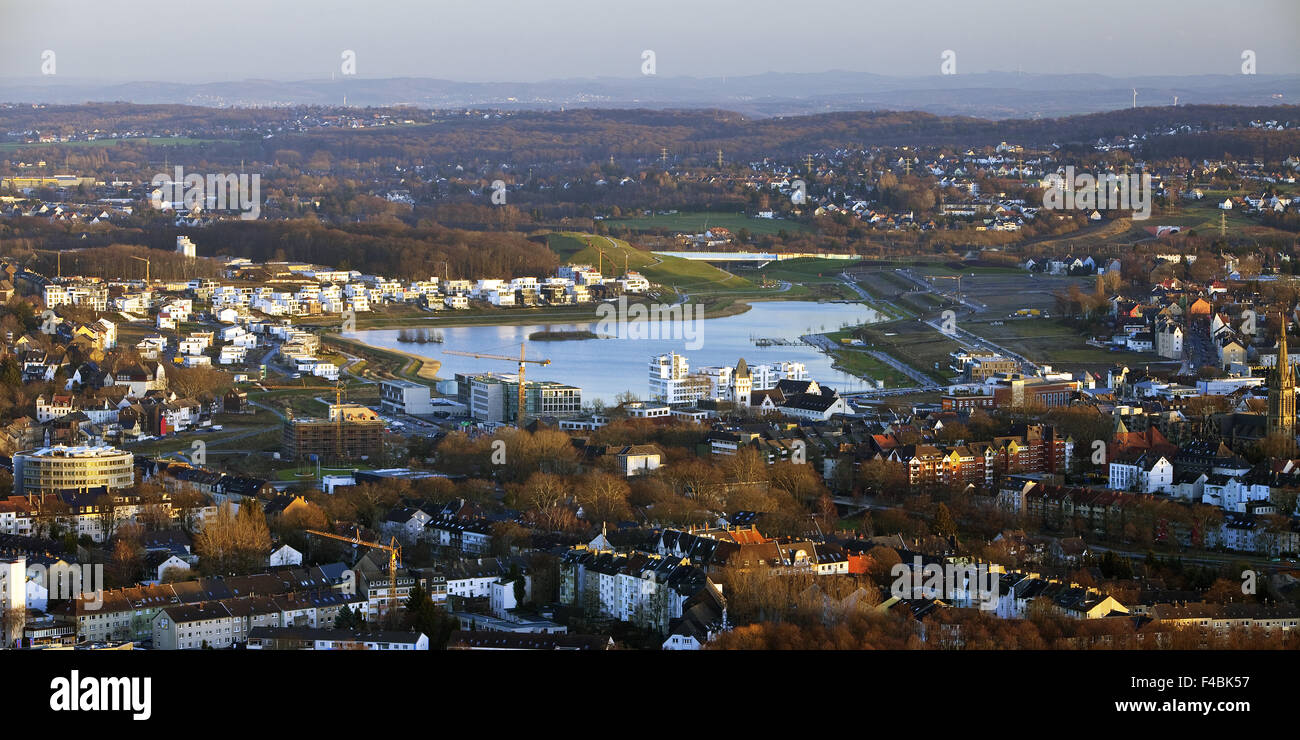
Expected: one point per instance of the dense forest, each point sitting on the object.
(392, 249)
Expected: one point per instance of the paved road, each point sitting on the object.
(971, 341)
(849, 281)
(272, 409)
(906, 369)
(822, 342)
(928, 287)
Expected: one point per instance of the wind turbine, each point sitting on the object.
(1135, 97)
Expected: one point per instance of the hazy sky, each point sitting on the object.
(529, 40)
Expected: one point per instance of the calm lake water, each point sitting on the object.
(603, 368)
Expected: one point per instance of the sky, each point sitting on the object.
(533, 40)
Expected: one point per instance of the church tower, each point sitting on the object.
(1281, 391)
(743, 383)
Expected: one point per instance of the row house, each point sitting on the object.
(131, 613)
(1017, 591)
(225, 623)
(1095, 508)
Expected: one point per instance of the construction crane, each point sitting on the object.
(338, 419)
(601, 257)
(949, 277)
(394, 551)
(519, 418)
(58, 258)
(145, 260)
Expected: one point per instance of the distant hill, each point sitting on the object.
(234, 134)
(995, 95)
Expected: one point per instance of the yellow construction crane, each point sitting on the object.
(338, 419)
(948, 277)
(145, 260)
(601, 257)
(394, 551)
(58, 258)
(519, 418)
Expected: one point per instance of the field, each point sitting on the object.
(819, 277)
(1202, 216)
(718, 291)
(696, 222)
(1005, 291)
(805, 270)
(864, 365)
(1051, 341)
(915, 344)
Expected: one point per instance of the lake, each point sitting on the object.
(603, 368)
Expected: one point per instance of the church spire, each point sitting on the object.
(1283, 363)
(1281, 390)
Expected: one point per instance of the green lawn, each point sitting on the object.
(686, 275)
(1051, 341)
(915, 344)
(806, 270)
(863, 365)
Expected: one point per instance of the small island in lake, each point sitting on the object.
(557, 336)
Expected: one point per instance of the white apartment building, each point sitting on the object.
(671, 381)
(1147, 473)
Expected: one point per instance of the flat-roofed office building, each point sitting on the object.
(79, 468)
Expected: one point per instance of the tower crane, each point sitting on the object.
(58, 258)
(949, 277)
(145, 260)
(394, 551)
(338, 420)
(506, 358)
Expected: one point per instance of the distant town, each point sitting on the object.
(378, 388)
